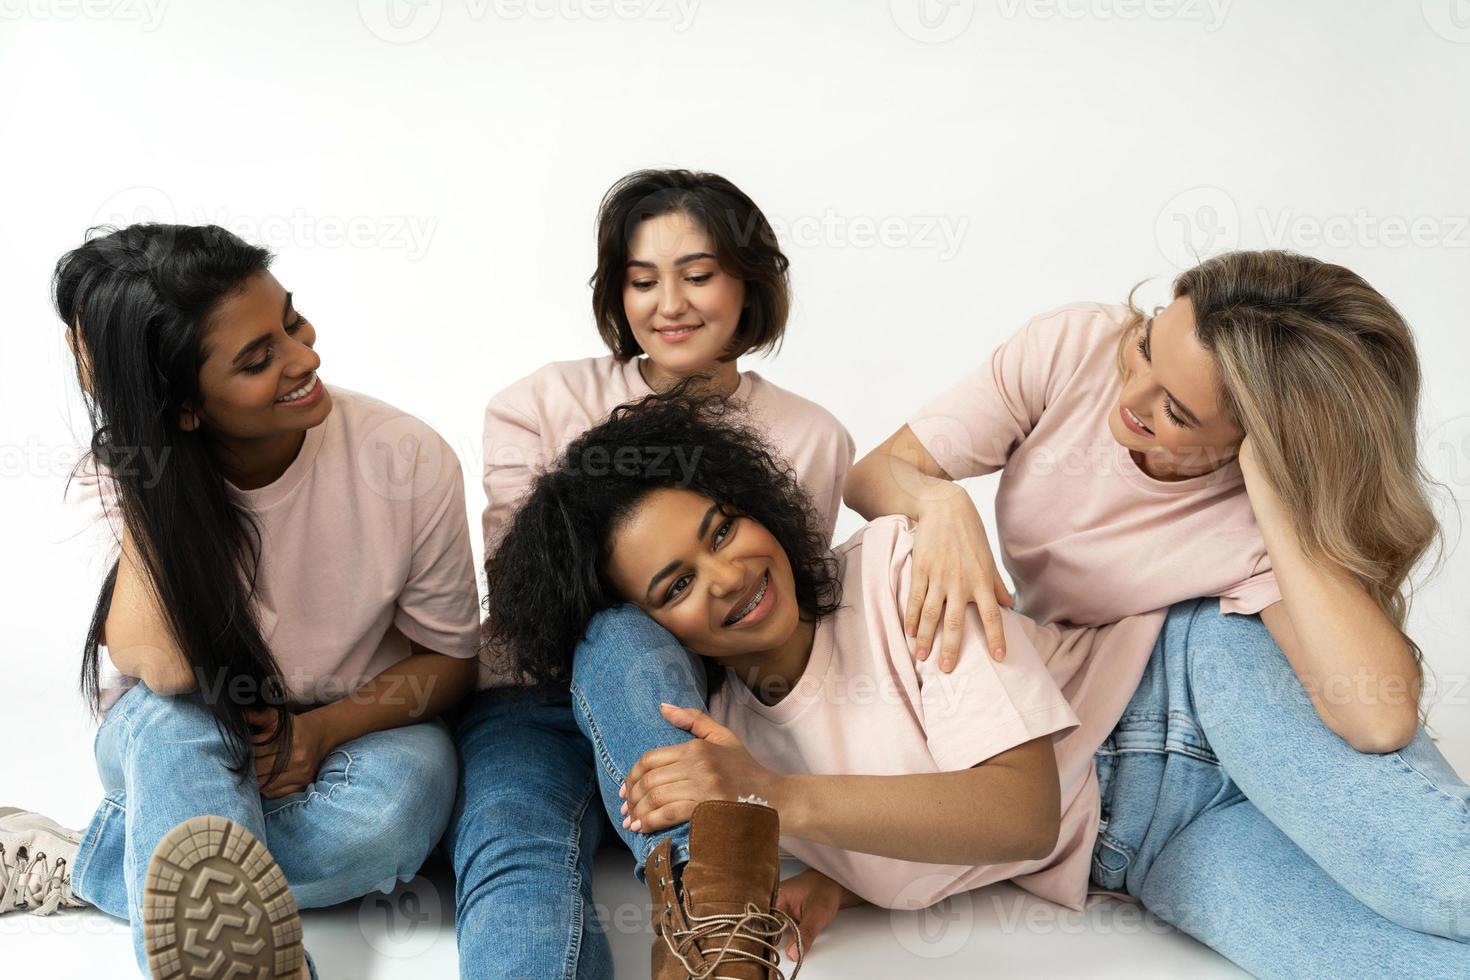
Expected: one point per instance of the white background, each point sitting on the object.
(938, 171)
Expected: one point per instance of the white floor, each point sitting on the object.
(996, 932)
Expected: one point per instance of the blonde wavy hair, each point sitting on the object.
(1320, 370)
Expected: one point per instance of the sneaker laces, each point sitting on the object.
(762, 928)
(34, 884)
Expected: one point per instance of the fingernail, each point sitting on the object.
(623, 809)
(665, 704)
(626, 823)
(622, 789)
(637, 825)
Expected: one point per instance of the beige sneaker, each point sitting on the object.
(216, 905)
(36, 855)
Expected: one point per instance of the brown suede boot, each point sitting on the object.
(718, 919)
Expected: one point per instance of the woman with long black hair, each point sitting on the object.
(292, 603)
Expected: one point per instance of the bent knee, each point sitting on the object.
(620, 636)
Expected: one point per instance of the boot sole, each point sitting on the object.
(216, 906)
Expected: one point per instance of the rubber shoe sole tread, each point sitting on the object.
(216, 906)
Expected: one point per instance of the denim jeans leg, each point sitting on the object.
(373, 815)
(522, 837)
(162, 761)
(1234, 881)
(1392, 829)
(1180, 835)
(624, 667)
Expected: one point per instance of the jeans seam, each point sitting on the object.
(79, 878)
(316, 794)
(1430, 783)
(574, 940)
(596, 738)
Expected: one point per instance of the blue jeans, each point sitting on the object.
(374, 813)
(1233, 813)
(528, 821)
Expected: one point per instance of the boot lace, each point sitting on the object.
(715, 935)
(34, 884)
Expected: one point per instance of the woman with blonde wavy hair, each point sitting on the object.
(1236, 478)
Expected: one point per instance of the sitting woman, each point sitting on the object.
(848, 734)
(290, 603)
(896, 781)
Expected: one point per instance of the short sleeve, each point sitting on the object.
(982, 708)
(972, 429)
(812, 440)
(826, 474)
(92, 496)
(513, 457)
(438, 607)
(1252, 595)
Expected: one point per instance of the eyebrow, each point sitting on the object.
(1148, 337)
(681, 260)
(671, 566)
(251, 347)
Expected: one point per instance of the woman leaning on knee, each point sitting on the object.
(292, 602)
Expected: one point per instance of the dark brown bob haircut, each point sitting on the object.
(744, 244)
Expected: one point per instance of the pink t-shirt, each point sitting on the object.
(365, 547)
(865, 706)
(1088, 538)
(529, 423)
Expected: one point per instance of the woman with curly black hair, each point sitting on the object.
(675, 507)
(689, 279)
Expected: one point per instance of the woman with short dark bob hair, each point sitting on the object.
(689, 279)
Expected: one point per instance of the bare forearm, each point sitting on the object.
(411, 691)
(139, 641)
(994, 813)
(1360, 673)
(881, 483)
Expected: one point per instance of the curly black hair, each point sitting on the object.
(547, 576)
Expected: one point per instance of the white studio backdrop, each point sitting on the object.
(938, 171)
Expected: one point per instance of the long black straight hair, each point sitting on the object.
(136, 303)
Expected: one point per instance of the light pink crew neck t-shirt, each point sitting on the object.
(865, 706)
(528, 424)
(365, 547)
(1089, 539)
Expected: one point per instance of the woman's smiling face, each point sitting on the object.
(720, 583)
(1169, 409)
(258, 376)
(682, 307)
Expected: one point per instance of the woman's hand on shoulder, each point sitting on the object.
(952, 567)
